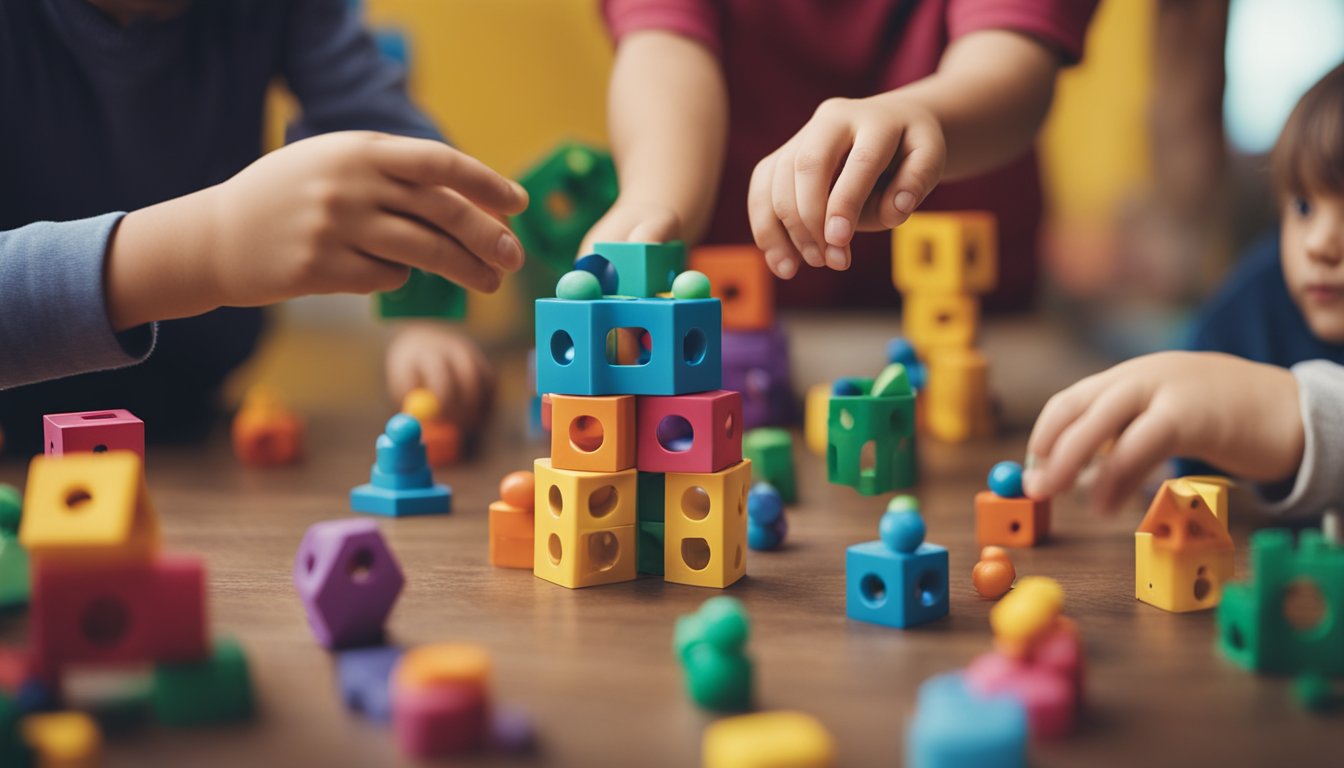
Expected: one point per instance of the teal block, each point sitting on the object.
(955, 728)
(644, 269)
(569, 190)
(424, 295)
(649, 544)
(770, 450)
(649, 499)
(14, 572)
(216, 690)
(888, 422)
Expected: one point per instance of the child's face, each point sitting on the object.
(1312, 245)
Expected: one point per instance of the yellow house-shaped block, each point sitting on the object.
(88, 506)
(1182, 549)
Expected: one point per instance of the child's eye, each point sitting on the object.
(1301, 206)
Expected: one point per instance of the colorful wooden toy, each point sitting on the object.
(900, 580)
(691, 285)
(946, 253)
(870, 444)
(584, 526)
(740, 278)
(442, 438)
(757, 364)
(266, 433)
(956, 396)
(711, 645)
(954, 727)
(1009, 521)
(62, 739)
(401, 483)
(1005, 479)
(1182, 548)
(424, 295)
(93, 432)
(766, 525)
(364, 676)
(993, 575)
(593, 434)
(215, 690)
(89, 506)
(348, 580)
(511, 524)
(706, 519)
(771, 452)
(440, 700)
(698, 433)
(644, 270)
(569, 189)
(767, 740)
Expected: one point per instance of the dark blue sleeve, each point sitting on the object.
(1238, 317)
(341, 80)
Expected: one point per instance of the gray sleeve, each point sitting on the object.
(1319, 485)
(53, 314)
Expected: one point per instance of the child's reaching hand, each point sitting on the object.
(441, 358)
(1243, 417)
(629, 221)
(857, 165)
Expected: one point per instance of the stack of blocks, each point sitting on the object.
(941, 263)
(899, 580)
(1182, 549)
(755, 347)
(711, 646)
(639, 426)
(103, 593)
(870, 433)
(1005, 517)
(401, 482)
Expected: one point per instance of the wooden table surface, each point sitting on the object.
(594, 667)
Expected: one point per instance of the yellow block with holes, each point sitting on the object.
(63, 739)
(428, 666)
(1025, 613)
(816, 413)
(88, 505)
(945, 253)
(956, 395)
(933, 321)
(768, 740)
(584, 526)
(1188, 579)
(705, 533)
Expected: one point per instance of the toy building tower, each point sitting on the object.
(941, 263)
(645, 446)
(1182, 549)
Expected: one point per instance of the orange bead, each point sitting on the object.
(993, 578)
(517, 489)
(994, 553)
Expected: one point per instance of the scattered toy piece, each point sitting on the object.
(1005, 479)
(768, 740)
(440, 700)
(1006, 518)
(401, 483)
(442, 438)
(711, 645)
(993, 576)
(364, 675)
(265, 432)
(900, 580)
(511, 525)
(956, 727)
(348, 581)
(1182, 549)
(766, 525)
(215, 690)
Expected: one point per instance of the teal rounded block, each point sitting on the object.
(402, 502)
(895, 589)
(691, 285)
(955, 728)
(718, 680)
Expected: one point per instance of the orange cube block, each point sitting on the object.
(511, 531)
(1015, 522)
(443, 443)
(739, 278)
(267, 437)
(593, 434)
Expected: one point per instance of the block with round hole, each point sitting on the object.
(88, 506)
(348, 581)
(1016, 522)
(683, 336)
(701, 432)
(706, 526)
(1191, 579)
(644, 269)
(584, 531)
(739, 277)
(93, 432)
(946, 253)
(893, 588)
(956, 396)
(569, 189)
(593, 434)
(870, 440)
(933, 321)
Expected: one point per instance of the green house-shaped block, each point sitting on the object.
(424, 295)
(870, 439)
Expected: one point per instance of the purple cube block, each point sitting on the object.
(348, 581)
(364, 675)
(756, 364)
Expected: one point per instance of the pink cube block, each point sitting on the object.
(689, 433)
(1048, 696)
(93, 432)
(440, 720)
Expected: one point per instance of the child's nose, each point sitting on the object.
(1325, 242)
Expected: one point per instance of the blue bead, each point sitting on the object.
(1005, 479)
(918, 375)
(764, 538)
(845, 388)
(402, 429)
(764, 504)
(901, 351)
(601, 269)
(901, 530)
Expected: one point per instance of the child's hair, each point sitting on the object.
(1309, 156)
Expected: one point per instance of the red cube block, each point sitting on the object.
(439, 720)
(93, 432)
(689, 433)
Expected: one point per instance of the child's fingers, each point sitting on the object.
(489, 239)
(766, 230)
(784, 204)
(656, 228)
(1104, 418)
(399, 239)
(815, 159)
(869, 158)
(1144, 444)
(367, 274)
(425, 161)
(917, 173)
(1061, 410)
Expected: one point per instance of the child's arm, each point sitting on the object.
(866, 164)
(668, 115)
(1257, 422)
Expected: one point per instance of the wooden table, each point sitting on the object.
(595, 669)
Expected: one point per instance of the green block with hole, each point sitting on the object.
(11, 509)
(888, 423)
(649, 501)
(424, 295)
(14, 572)
(771, 452)
(568, 191)
(216, 690)
(1256, 632)
(644, 270)
(649, 544)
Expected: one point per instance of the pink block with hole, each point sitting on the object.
(1049, 697)
(93, 432)
(689, 433)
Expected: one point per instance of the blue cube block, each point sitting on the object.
(685, 339)
(402, 502)
(895, 589)
(643, 269)
(364, 675)
(955, 728)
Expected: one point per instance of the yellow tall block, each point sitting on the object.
(816, 412)
(63, 739)
(1179, 581)
(84, 506)
(956, 396)
(946, 253)
(934, 321)
(584, 526)
(705, 538)
(767, 740)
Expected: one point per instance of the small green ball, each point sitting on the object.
(578, 286)
(691, 285)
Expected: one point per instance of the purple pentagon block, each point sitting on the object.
(756, 364)
(348, 581)
(364, 675)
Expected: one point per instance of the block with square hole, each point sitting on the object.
(870, 439)
(650, 541)
(643, 269)
(740, 278)
(936, 321)
(348, 580)
(706, 527)
(900, 580)
(584, 531)
(946, 253)
(580, 350)
(771, 452)
(569, 190)
(593, 434)
(689, 433)
(956, 396)
(93, 432)
(424, 295)
(87, 506)
(117, 612)
(1016, 522)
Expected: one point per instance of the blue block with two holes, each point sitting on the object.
(899, 580)
(401, 483)
(643, 269)
(954, 727)
(685, 340)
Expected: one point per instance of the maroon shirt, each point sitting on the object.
(782, 58)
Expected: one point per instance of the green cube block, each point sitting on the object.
(649, 544)
(649, 501)
(771, 452)
(644, 269)
(216, 690)
(11, 509)
(424, 295)
(569, 191)
(870, 439)
(14, 572)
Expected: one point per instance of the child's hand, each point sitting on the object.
(809, 197)
(633, 221)
(351, 212)
(1242, 417)
(442, 359)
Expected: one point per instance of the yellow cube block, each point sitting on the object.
(946, 253)
(63, 739)
(584, 526)
(816, 411)
(934, 321)
(1188, 579)
(768, 740)
(88, 506)
(956, 396)
(705, 538)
